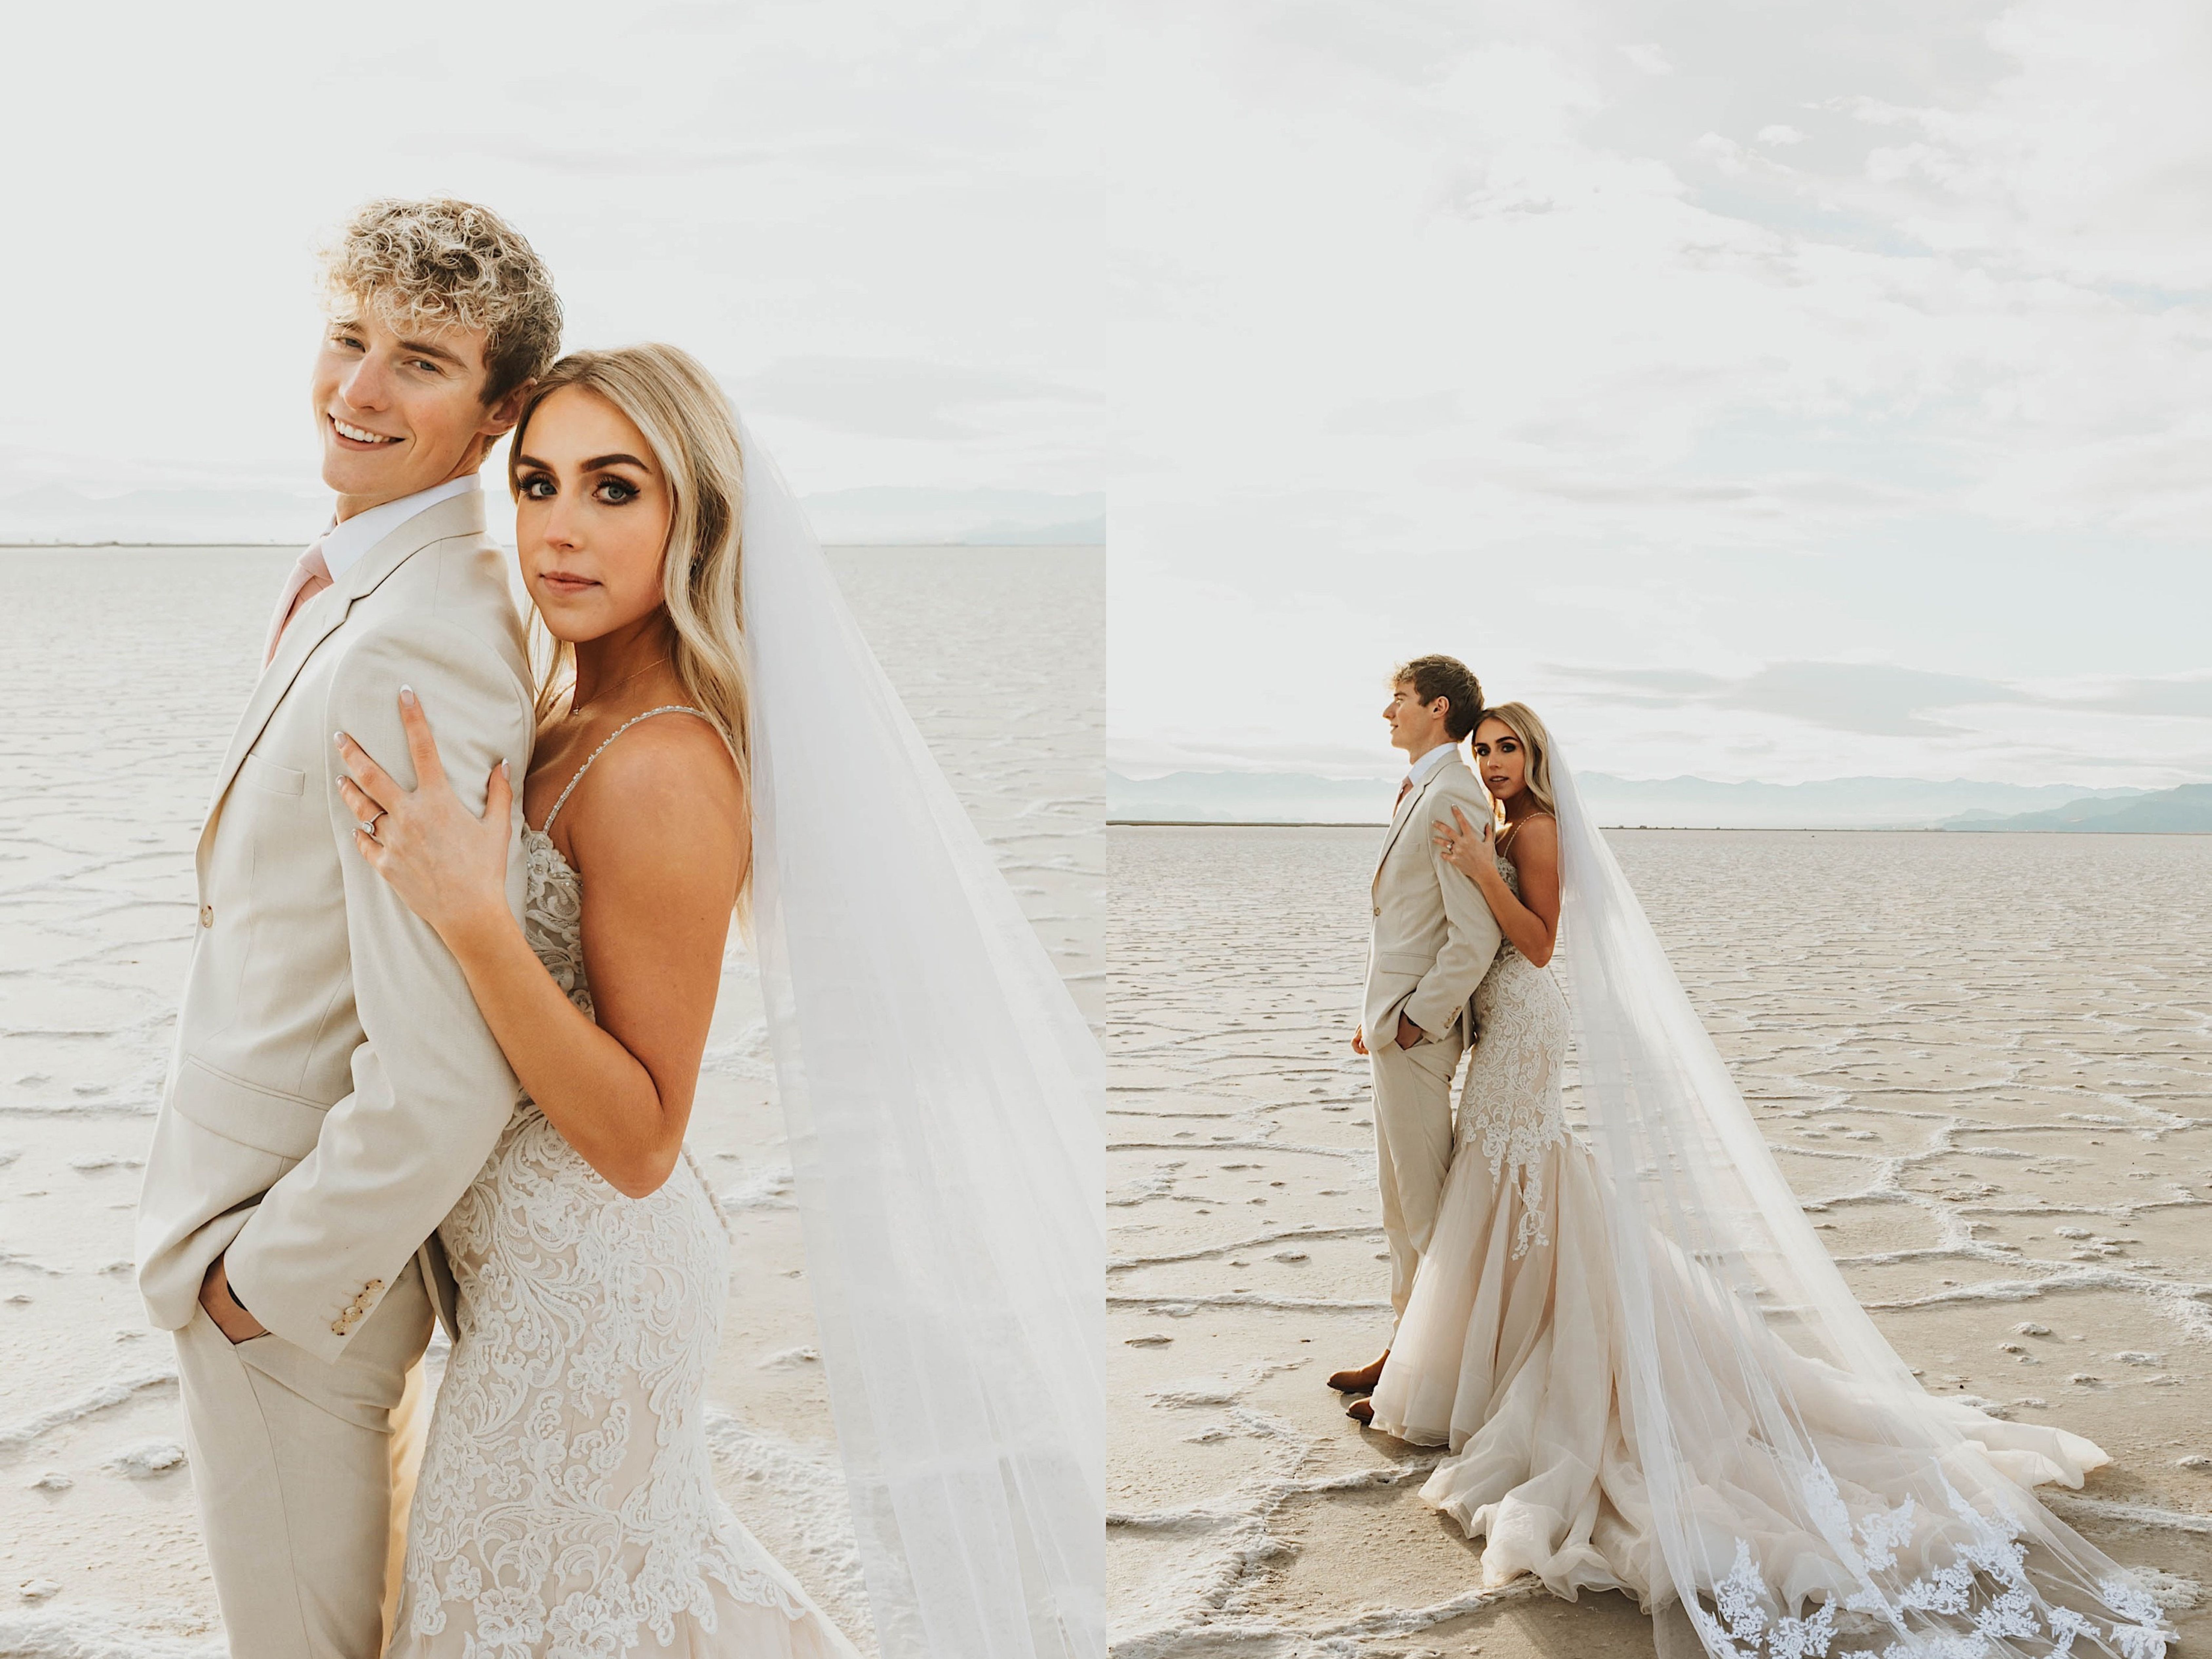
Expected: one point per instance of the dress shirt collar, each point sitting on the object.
(344, 544)
(1429, 762)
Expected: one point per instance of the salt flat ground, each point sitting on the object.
(1984, 1062)
(121, 673)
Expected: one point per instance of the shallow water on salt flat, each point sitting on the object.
(1990, 1057)
(121, 670)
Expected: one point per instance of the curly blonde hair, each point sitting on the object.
(449, 264)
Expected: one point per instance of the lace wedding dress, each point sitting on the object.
(566, 1506)
(1842, 1513)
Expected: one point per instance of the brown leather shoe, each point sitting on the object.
(1361, 1412)
(1362, 1380)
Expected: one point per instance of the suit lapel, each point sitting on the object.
(1404, 815)
(321, 616)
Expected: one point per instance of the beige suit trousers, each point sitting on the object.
(293, 1461)
(1413, 1147)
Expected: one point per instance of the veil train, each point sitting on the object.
(944, 1102)
(1810, 1499)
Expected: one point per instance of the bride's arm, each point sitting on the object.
(1532, 920)
(661, 828)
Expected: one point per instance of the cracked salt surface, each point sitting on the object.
(123, 670)
(1991, 1038)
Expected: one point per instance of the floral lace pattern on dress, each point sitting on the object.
(1973, 1605)
(1513, 1112)
(567, 1503)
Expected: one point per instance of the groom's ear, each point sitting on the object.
(501, 416)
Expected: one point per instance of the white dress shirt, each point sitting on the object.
(345, 542)
(1421, 768)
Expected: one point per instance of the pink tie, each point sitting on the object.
(1403, 788)
(309, 577)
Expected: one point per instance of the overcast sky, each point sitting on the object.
(878, 223)
(1766, 390)
(1777, 390)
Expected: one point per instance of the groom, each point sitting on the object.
(333, 1090)
(1432, 941)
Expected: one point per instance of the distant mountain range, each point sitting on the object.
(2187, 809)
(55, 514)
(1685, 803)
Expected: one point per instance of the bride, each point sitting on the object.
(711, 732)
(1649, 1373)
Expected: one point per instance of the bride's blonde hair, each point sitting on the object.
(688, 423)
(1536, 742)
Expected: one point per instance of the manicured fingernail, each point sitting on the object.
(503, 768)
(407, 694)
(338, 738)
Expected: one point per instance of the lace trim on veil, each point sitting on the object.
(1985, 1585)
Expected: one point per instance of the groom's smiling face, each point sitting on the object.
(400, 407)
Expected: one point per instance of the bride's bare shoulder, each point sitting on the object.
(667, 789)
(1535, 839)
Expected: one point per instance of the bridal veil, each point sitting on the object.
(1809, 1498)
(944, 1102)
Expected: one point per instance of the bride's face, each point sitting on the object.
(591, 518)
(1499, 760)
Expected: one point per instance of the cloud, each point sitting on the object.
(1870, 697)
(597, 161)
(913, 185)
(900, 398)
(1859, 366)
(1669, 686)
(1883, 699)
(1395, 416)
(2179, 698)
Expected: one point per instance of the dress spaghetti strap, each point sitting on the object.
(1504, 840)
(665, 708)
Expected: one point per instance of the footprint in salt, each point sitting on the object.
(143, 1463)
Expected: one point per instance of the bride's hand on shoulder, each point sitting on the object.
(448, 864)
(1466, 847)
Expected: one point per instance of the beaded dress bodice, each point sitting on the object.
(1511, 1110)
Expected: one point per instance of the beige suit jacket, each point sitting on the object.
(333, 1090)
(1433, 937)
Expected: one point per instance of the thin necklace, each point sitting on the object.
(577, 708)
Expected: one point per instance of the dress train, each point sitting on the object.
(1512, 1352)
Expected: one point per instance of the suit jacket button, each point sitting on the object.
(1378, 909)
(207, 915)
